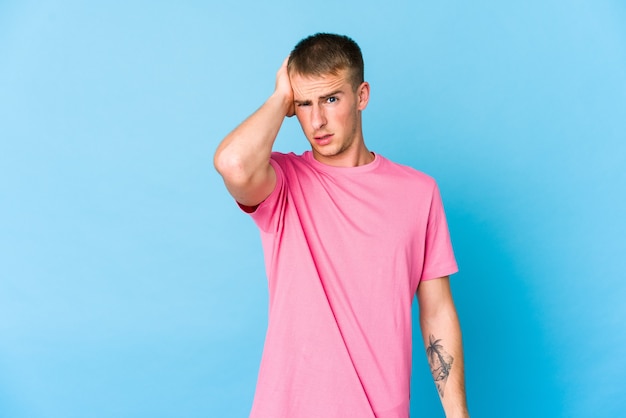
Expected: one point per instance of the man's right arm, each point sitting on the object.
(243, 157)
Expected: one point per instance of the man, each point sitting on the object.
(349, 237)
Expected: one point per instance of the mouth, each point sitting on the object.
(323, 139)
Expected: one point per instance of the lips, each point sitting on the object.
(323, 139)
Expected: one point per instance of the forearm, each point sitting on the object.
(243, 157)
(444, 349)
(441, 333)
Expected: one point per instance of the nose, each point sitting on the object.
(318, 118)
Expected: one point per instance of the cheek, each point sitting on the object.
(345, 117)
(301, 118)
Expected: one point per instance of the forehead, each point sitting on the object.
(308, 87)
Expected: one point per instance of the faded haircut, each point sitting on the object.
(327, 53)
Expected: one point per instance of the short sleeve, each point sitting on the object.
(268, 214)
(439, 258)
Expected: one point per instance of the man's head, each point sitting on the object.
(327, 54)
(329, 94)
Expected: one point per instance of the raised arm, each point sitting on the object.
(243, 157)
(442, 337)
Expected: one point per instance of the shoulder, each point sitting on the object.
(291, 163)
(287, 158)
(406, 174)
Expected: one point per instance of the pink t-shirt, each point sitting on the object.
(345, 249)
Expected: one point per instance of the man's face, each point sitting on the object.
(329, 111)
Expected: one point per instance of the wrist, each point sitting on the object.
(283, 101)
(458, 412)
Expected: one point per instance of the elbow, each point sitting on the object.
(230, 167)
(222, 162)
(226, 164)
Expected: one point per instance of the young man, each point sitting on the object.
(349, 237)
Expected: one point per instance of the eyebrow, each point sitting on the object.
(334, 93)
(324, 97)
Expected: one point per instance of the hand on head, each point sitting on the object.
(283, 87)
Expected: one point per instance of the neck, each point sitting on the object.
(354, 156)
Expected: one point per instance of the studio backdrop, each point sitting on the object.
(131, 285)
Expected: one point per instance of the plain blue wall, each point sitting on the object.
(131, 285)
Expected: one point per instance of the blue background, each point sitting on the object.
(132, 286)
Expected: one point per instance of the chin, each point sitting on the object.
(327, 151)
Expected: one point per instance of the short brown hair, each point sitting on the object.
(327, 53)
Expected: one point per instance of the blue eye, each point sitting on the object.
(331, 99)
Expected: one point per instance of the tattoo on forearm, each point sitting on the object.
(440, 363)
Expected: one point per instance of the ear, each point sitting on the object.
(363, 95)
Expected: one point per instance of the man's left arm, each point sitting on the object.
(442, 338)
